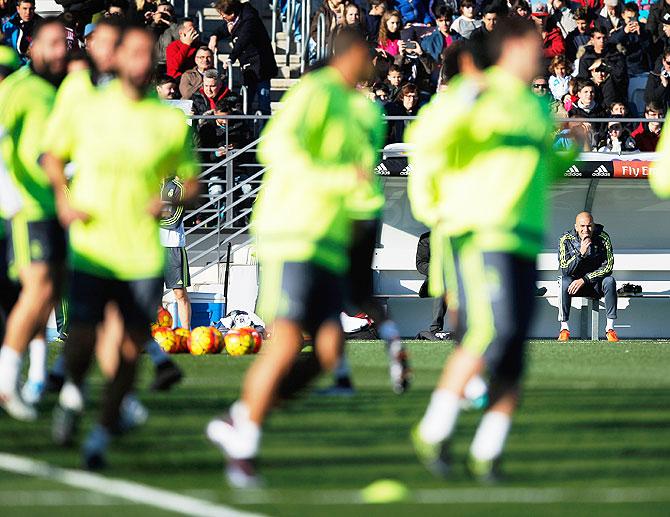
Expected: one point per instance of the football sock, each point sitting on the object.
(248, 430)
(71, 397)
(440, 419)
(58, 368)
(610, 324)
(10, 364)
(115, 391)
(475, 388)
(342, 370)
(78, 352)
(490, 436)
(565, 326)
(388, 331)
(38, 360)
(156, 353)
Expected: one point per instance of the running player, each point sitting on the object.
(37, 240)
(320, 148)
(10, 202)
(490, 158)
(124, 142)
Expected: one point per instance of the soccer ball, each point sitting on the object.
(258, 340)
(204, 341)
(165, 338)
(219, 339)
(164, 318)
(182, 337)
(240, 341)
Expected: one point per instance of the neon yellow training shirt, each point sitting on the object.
(123, 149)
(321, 149)
(25, 102)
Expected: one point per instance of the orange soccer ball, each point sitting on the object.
(242, 341)
(182, 337)
(165, 338)
(258, 340)
(204, 340)
(164, 318)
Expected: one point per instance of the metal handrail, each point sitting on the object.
(186, 6)
(321, 37)
(229, 69)
(245, 98)
(274, 24)
(233, 249)
(306, 12)
(201, 20)
(229, 158)
(290, 11)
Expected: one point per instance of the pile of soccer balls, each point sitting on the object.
(203, 340)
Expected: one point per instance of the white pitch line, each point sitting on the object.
(464, 496)
(61, 498)
(128, 490)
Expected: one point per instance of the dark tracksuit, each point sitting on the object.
(595, 268)
(422, 261)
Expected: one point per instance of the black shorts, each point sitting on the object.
(137, 300)
(494, 296)
(9, 290)
(34, 241)
(303, 292)
(176, 274)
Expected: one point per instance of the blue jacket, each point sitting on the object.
(18, 34)
(414, 11)
(433, 44)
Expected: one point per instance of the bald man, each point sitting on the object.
(586, 261)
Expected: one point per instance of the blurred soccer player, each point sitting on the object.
(124, 143)
(489, 166)
(320, 149)
(37, 240)
(659, 178)
(10, 202)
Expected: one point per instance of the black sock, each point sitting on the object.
(115, 391)
(304, 370)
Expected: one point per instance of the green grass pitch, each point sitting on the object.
(594, 417)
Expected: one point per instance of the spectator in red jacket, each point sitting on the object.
(180, 54)
(647, 134)
(553, 42)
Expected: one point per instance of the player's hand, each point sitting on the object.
(155, 207)
(584, 248)
(68, 215)
(575, 286)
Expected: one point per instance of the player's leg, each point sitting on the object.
(183, 307)
(606, 288)
(469, 294)
(513, 313)
(361, 290)
(136, 301)
(37, 252)
(565, 299)
(88, 295)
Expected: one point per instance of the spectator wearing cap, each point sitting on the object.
(658, 15)
(609, 17)
(88, 30)
(17, 31)
(191, 80)
(565, 18)
(657, 90)
(647, 134)
(600, 48)
(580, 36)
(552, 40)
(617, 140)
(442, 37)
(180, 54)
(606, 92)
(466, 23)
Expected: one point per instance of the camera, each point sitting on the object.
(665, 73)
(410, 45)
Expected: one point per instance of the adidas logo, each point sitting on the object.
(573, 171)
(601, 171)
(406, 170)
(382, 170)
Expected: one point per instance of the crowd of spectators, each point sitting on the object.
(603, 58)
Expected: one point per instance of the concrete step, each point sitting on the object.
(282, 83)
(292, 59)
(276, 106)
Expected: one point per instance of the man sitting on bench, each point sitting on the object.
(586, 260)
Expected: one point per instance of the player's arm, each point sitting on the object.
(567, 260)
(659, 178)
(607, 266)
(54, 167)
